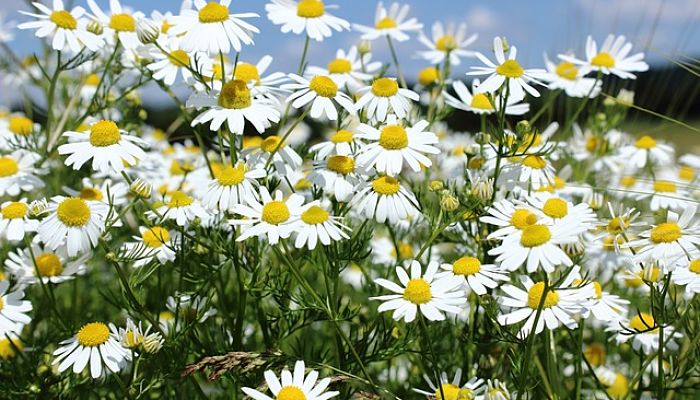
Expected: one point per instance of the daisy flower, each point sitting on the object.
(211, 28)
(119, 24)
(284, 158)
(155, 243)
(451, 42)
(496, 390)
(11, 343)
(134, 337)
(67, 27)
(337, 175)
(431, 294)
(46, 265)
(558, 307)
(316, 224)
(665, 192)
(234, 105)
(181, 208)
(507, 72)
(612, 58)
(688, 277)
(349, 68)
(108, 146)
(73, 222)
(13, 309)
(322, 92)
(393, 144)
(262, 85)
(479, 103)
(231, 186)
(305, 16)
(294, 386)
(172, 61)
(570, 78)
(603, 305)
(384, 95)
(191, 308)
(18, 174)
(668, 240)
(453, 389)
(107, 191)
(14, 220)
(644, 332)
(532, 171)
(554, 208)
(475, 275)
(385, 198)
(391, 23)
(95, 344)
(342, 142)
(647, 151)
(509, 217)
(16, 131)
(275, 218)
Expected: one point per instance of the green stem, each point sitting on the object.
(429, 344)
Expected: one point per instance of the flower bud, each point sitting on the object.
(625, 97)
(152, 343)
(147, 31)
(38, 207)
(436, 186)
(95, 27)
(523, 127)
(140, 188)
(448, 202)
(427, 76)
(483, 138)
(364, 47)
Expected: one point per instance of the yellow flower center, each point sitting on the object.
(417, 291)
(535, 235)
(686, 173)
(481, 101)
(385, 87)
(92, 80)
(642, 322)
(48, 264)
(591, 144)
(235, 95)
(534, 296)
(446, 43)
(212, 13)
(104, 133)
(393, 137)
(63, 19)
(598, 290)
(665, 186)
(628, 181)
(310, 8)
(595, 354)
(428, 75)
(619, 388)
(386, 23)
(555, 208)
(15, 210)
(179, 58)
(122, 23)
(341, 164)
(155, 236)
(275, 212)
(9, 347)
(271, 144)
(645, 142)
(8, 166)
(405, 251)
(567, 70)
(342, 136)
(89, 193)
(452, 392)
(386, 185)
(535, 162)
(314, 215)
(618, 225)
(73, 211)
(179, 199)
(93, 334)
(666, 233)
(231, 176)
(247, 72)
(290, 393)
(181, 167)
(650, 275)
(339, 66)
(523, 218)
(22, 126)
(323, 86)
(466, 266)
(165, 26)
(510, 69)
(302, 184)
(695, 266)
(603, 60)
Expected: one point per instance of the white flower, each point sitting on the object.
(262, 85)
(167, 65)
(13, 309)
(342, 142)
(613, 57)
(688, 276)
(45, 265)
(475, 275)
(17, 131)
(479, 103)
(119, 24)
(553, 208)
(450, 42)
(383, 95)
(647, 151)
(305, 16)
(509, 217)
(17, 173)
(393, 144)
(155, 243)
(431, 294)
(14, 220)
(603, 305)
(284, 158)
(294, 386)
(570, 78)
(191, 308)
(73, 222)
(231, 186)
(108, 146)
(391, 23)
(136, 338)
(385, 198)
(275, 218)
(644, 332)
(181, 208)
(532, 171)
(67, 27)
(107, 191)
(471, 389)
(349, 69)
(321, 91)
(212, 29)
(316, 224)
(94, 344)
(337, 175)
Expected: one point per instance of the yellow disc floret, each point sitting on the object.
(534, 297)
(213, 13)
(122, 23)
(619, 388)
(664, 186)
(179, 58)
(9, 347)
(179, 199)
(555, 208)
(290, 393)
(93, 334)
(643, 322)
(666, 232)
(341, 164)
(428, 76)
(386, 23)
(510, 69)
(535, 235)
(385, 87)
(534, 162)
(342, 136)
(271, 144)
(446, 43)
(155, 237)
(695, 266)
(567, 70)
(64, 19)
(73, 211)
(603, 60)
(323, 86)
(235, 95)
(310, 8)
(339, 66)
(523, 218)
(14, 210)
(48, 264)
(247, 72)
(481, 102)
(315, 215)
(20, 125)
(645, 142)
(104, 133)
(91, 193)
(275, 212)
(466, 266)
(231, 176)
(417, 291)
(393, 137)
(386, 185)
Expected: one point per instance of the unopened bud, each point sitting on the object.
(364, 47)
(436, 186)
(152, 343)
(38, 207)
(95, 27)
(523, 127)
(625, 97)
(140, 188)
(506, 45)
(448, 202)
(427, 76)
(483, 138)
(147, 31)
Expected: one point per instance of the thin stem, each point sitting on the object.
(429, 343)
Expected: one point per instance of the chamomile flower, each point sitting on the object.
(181, 208)
(496, 390)
(73, 222)
(555, 208)
(688, 277)
(343, 142)
(337, 175)
(191, 308)
(274, 151)
(349, 68)
(447, 42)
(107, 191)
(42, 264)
(108, 146)
(13, 309)
(294, 386)
(509, 217)
(305, 16)
(431, 294)
(275, 218)
(612, 58)
(668, 240)
(647, 151)
(234, 105)
(479, 103)
(68, 27)
(532, 171)
(665, 192)
(171, 62)
(15, 221)
(212, 29)
(643, 330)
(393, 144)
(507, 72)
(318, 225)
(95, 344)
(17, 131)
(475, 275)
(155, 243)
(570, 78)
(391, 23)
(11, 343)
(119, 25)
(134, 337)
(262, 84)
(454, 389)
(322, 92)
(18, 174)
(603, 305)
(384, 198)
(231, 186)
(383, 96)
